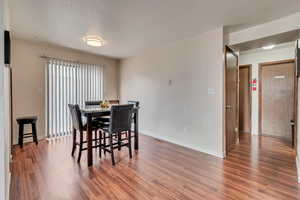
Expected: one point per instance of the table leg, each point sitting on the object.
(136, 130)
(89, 141)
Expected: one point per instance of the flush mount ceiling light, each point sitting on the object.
(94, 40)
(268, 47)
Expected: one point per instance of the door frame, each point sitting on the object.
(228, 49)
(249, 66)
(260, 67)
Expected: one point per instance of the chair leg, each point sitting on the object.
(100, 144)
(119, 141)
(96, 137)
(74, 142)
(104, 142)
(21, 129)
(129, 144)
(80, 146)
(34, 134)
(111, 149)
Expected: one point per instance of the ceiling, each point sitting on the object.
(289, 45)
(130, 26)
(283, 38)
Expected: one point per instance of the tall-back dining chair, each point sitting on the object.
(120, 122)
(96, 103)
(114, 101)
(135, 103)
(79, 126)
(92, 103)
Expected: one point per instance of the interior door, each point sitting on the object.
(231, 98)
(295, 124)
(277, 86)
(245, 99)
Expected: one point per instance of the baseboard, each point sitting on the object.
(298, 168)
(8, 187)
(148, 133)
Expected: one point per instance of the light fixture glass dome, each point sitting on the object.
(268, 47)
(94, 40)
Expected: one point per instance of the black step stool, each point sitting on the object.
(27, 120)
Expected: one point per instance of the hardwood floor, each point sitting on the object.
(258, 168)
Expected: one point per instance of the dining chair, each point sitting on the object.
(92, 103)
(114, 101)
(135, 104)
(79, 126)
(120, 122)
(95, 103)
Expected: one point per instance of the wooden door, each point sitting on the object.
(245, 99)
(231, 98)
(277, 100)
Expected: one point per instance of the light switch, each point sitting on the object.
(211, 91)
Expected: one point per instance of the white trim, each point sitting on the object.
(148, 133)
(298, 168)
(8, 186)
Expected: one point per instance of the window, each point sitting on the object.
(69, 83)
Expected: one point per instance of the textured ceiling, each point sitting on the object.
(130, 26)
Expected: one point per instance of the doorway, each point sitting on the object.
(245, 98)
(277, 99)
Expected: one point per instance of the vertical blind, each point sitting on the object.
(69, 83)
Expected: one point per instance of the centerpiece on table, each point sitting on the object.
(104, 104)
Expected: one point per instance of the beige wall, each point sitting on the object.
(180, 88)
(29, 77)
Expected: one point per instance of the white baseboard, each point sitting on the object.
(8, 187)
(148, 133)
(298, 168)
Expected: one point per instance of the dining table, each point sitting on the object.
(94, 111)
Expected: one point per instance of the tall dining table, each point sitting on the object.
(91, 112)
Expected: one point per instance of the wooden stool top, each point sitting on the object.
(27, 119)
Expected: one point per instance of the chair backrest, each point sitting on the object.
(114, 101)
(92, 103)
(76, 116)
(120, 118)
(135, 103)
(96, 103)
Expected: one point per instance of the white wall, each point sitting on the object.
(283, 52)
(2, 146)
(4, 111)
(172, 83)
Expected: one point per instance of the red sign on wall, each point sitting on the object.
(254, 84)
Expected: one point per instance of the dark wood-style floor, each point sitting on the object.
(258, 168)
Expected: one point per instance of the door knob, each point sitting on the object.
(292, 122)
(228, 107)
